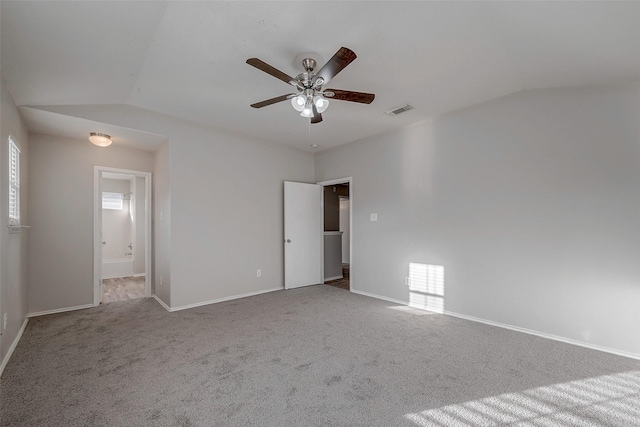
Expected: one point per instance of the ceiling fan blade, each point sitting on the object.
(263, 66)
(272, 101)
(347, 95)
(341, 59)
(317, 117)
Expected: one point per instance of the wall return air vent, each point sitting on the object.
(399, 110)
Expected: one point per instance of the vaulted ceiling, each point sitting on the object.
(187, 59)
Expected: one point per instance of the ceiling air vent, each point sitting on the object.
(399, 110)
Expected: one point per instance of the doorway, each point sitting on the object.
(337, 232)
(122, 234)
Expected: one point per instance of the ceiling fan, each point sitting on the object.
(311, 100)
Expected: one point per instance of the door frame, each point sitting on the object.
(345, 180)
(97, 228)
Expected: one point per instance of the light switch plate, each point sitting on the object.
(373, 217)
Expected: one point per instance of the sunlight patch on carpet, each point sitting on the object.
(583, 403)
(411, 310)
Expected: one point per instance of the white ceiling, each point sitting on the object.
(187, 59)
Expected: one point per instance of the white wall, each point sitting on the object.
(530, 202)
(13, 247)
(117, 226)
(221, 196)
(61, 200)
(227, 214)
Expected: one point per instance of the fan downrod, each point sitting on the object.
(309, 64)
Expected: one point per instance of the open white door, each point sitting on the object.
(302, 234)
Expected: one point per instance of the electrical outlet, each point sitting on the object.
(6, 319)
(407, 281)
(258, 273)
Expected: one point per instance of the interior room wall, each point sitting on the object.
(331, 208)
(61, 199)
(227, 201)
(530, 202)
(139, 256)
(221, 196)
(117, 226)
(14, 248)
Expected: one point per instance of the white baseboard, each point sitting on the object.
(199, 304)
(544, 335)
(513, 328)
(139, 275)
(60, 310)
(157, 298)
(367, 294)
(13, 346)
(326, 279)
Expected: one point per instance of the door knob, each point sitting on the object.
(288, 240)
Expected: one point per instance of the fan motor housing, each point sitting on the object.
(305, 79)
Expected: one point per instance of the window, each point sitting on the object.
(112, 201)
(14, 183)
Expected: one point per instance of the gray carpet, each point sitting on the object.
(316, 356)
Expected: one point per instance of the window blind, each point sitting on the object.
(14, 183)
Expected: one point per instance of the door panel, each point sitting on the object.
(302, 234)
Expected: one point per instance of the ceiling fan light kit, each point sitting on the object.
(298, 102)
(310, 100)
(321, 103)
(307, 111)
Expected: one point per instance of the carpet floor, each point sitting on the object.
(315, 356)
